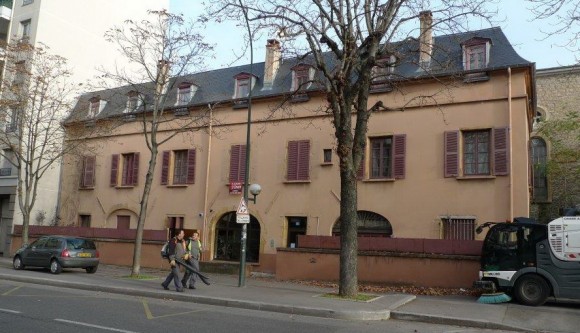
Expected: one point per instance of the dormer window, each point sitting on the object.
(302, 77)
(184, 93)
(242, 87)
(382, 72)
(476, 53)
(96, 105)
(133, 101)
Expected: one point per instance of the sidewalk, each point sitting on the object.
(290, 298)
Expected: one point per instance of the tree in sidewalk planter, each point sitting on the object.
(36, 96)
(344, 41)
(159, 51)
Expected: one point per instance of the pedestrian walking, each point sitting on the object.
(194, 254)
(177, 250)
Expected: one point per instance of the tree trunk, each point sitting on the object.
(143, 213)
(348, 234)
(25, 224)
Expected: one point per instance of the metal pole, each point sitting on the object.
(242, 275)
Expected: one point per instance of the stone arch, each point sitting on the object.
(111, 220)
(370, 224)
(227, 235)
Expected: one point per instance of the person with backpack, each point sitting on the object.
(176, 250)
(194, 251)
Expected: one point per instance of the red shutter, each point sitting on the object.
(135, 173)
(114, 169)
(165, 167)
(237, 163)
(191, 166)
(303, 160)
(451, 163)
(501, 151)
(292, 172)
(89, 171)
(400, 150)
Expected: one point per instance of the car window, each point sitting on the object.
(77, 244)
(39, 243)
(52, 243)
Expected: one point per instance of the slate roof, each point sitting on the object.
(218, 85)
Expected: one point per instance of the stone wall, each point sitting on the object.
(559, 101)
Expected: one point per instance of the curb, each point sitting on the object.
(226, 302)
(444, 320)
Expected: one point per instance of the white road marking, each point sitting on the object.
(11, 311)
(94, 326)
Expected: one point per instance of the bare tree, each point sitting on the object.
(564, 18)
(159, 51)
(36, 96)
(347, 39)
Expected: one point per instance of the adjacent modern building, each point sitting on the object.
(74, 30)
(434, 168)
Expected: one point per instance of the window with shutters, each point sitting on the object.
(387, 158)
(125, 170)
(237, 163)
(476, 153)
(298, 161)
(88, 172)
(178, 167)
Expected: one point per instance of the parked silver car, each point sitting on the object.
(58, 252)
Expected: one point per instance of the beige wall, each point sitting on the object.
(412, 205)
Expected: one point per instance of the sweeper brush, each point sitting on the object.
(494, 298)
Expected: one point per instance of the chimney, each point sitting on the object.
(273, 56)
(426, 37)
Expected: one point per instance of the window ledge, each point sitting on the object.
(476, 77)
(475, 177)
(88, 188)
(124, 187)
(326, 163)
(177, 185)
(297, 181)
(378, 180)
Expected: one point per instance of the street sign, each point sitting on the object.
(242, 218)
(242, 207)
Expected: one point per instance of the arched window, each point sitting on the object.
(227, 239)
(539, 165)
(369, 225)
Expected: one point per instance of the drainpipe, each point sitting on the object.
(203, 228)
(510, 131)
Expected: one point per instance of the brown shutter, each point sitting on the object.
(501, 151)
(451, 163)
(114, 169)
(89, 171)
(292, 172)
(399, 152)
(191, 166)
(135, 174)
(304, 160)
(237, 163)
(165, 167)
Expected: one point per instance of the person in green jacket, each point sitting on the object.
(194, 251)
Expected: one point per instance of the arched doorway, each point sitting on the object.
(370, 224)
(227, 239)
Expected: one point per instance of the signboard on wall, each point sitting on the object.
(236, 187)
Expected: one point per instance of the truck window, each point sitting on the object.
(500, 252)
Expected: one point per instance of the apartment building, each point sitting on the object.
(434, 169)
(74, 30)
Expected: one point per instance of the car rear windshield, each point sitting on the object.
(77, 244)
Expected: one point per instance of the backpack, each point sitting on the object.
(165, 250)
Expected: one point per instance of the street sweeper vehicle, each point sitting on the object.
(531, 261)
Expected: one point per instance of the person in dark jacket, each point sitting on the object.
(177, 249)
(193, 249)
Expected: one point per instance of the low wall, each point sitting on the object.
(418, 269)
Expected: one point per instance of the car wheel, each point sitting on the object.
(55, 267)
(531, 290)
(17, 263)
(91, 270)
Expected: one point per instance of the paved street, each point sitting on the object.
(111, 301)
(32, 308)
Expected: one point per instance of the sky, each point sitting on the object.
(514, 17)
